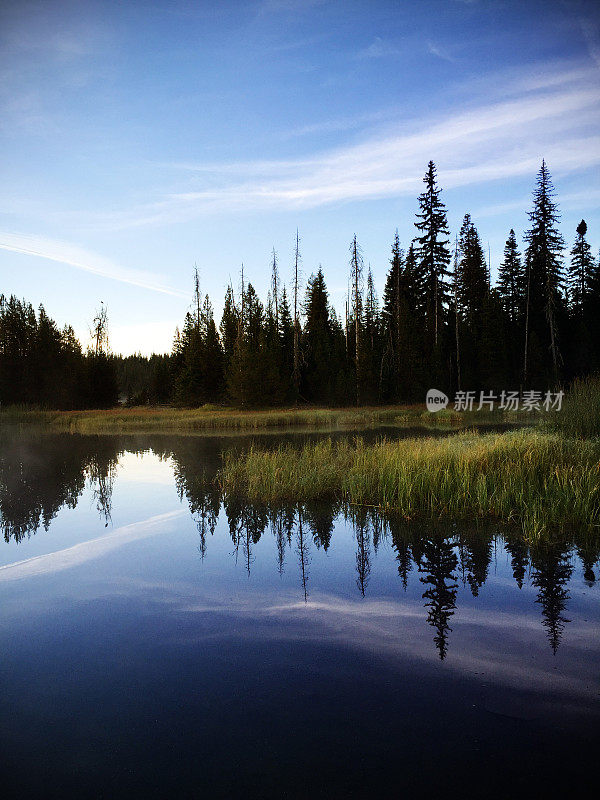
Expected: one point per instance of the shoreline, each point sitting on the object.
(214, 419)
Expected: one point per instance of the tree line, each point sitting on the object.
(41, 364)
(440, 323)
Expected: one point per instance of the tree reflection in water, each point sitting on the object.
(302, 551)
(437, 566)
(551, 571)
(40, 474)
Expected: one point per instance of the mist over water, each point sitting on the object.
(159, 637)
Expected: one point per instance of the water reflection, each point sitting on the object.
(438, 565)
(551, 571)
(41, 474)
(302, 549)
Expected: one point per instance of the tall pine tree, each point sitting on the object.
(319, 374)
(545, 305)
(433, 254)
(580, 283)
(356, 305)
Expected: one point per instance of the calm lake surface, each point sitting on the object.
(158, 640)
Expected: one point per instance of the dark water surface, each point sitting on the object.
(158, 640)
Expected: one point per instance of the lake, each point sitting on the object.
(160, 640)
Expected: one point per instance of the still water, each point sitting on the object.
(159, 640)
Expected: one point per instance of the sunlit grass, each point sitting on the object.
(539, 481)
(219, 418)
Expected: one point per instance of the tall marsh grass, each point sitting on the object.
(206, 418)
(217, 418)
(539, 481)
(580, 414)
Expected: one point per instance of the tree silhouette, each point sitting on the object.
(551, 571)
(437, 567)
(40, 475)
(363, 550)
(475, 551)
(518, 550)
(356, 277)
(433, 255)
(303, 552)
(581, 291)
(434, 329)
(545, 311)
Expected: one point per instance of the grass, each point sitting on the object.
(149, 419)
(540, 481)
(580, 414)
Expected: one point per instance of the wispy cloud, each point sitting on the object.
(397, 629)
(339, 124)
(37, 29)
(591, 34)
(439, 52)
(379, 48)
(288, 6)
(74, 256)
(484, 142)
(25, 111)
(586, 201)
(86, 551)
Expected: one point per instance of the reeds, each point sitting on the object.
(580, 413)
(539, 481)
(149, 419)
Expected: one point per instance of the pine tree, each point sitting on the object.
(229, 326)
(479, 322)
(402, 323)
(319, 374)
(433, 255)
(470, 295)
(271, 355)
(580, 283)
(593, 304)
(580, 271)
(71, 388)
(161, 382)
(356, 273)
(245, 378)
(297, 329)
(286, 348)
(545, 310)
(371, 347)
(392, 299)
(46, 366)
(198, 355)
(213, 367)
(275, 287)
(344, 384)
(17, 334)
(190, 356)
(511, 282)
(472, 287)
(102, 388)
(38, 362)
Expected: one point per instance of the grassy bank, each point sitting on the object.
(216, 418)
(537, 480)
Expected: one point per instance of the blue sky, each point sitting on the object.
(142, 138)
